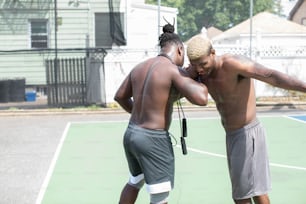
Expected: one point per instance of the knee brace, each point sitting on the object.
(137, 181)
(159, 198)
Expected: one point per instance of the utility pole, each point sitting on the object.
(251, 26)
(158, 17)
(55, 48)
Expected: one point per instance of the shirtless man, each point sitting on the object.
(229, 82)
(148, 93)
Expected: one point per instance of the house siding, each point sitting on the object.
(76, 29)
(14, 30)
(14, 25)
(300, 14)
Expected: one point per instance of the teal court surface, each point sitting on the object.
(89, 166)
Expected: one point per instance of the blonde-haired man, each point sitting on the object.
(229, 79)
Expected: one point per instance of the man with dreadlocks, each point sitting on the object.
(148, 93)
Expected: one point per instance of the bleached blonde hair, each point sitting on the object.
(198, 46)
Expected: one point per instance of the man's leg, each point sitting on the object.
(262, 199)
(244, 201)
(129, 194)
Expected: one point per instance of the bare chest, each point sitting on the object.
(219, 89)
(227, 90)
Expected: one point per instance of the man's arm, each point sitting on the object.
(273, 77)
(191, 72)
(124, 95)
(279, 79)
(195, 92)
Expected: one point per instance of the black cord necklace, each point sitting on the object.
(166, 56)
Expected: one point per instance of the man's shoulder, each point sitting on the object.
(233, 64)
(229, 56)
(233, 59)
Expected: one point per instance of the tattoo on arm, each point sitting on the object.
(266, 73)
(275, 78)
(283, 81)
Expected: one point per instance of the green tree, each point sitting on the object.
(222, 14)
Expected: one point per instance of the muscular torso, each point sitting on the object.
(152, 101)
(234, 96)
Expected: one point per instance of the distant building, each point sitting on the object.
(267, 30)
(298, 13)
(127, 30)
(213, 32)
(275, 42)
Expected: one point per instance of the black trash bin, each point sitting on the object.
(17, 90)
(4, 91)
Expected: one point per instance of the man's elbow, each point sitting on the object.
(199, 99)
(203, 97)
(116, 98)
(119, 98)
(202, 101)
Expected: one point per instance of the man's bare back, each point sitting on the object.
(152, 83)
(148, 93)
(150, 89)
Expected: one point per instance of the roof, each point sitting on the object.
(265, 23)
(295, 8)
(213, 32)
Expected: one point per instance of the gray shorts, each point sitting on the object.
(150, 152)
(248, 161)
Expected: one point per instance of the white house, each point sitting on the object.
(267, 30)
(35, 31)
(275, 42)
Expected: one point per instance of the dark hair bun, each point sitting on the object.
(168, 28)
(168, 36)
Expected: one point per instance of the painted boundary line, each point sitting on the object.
(52, 165)
(293, 117)
(188, 118)
(59, 147)
(223, 156)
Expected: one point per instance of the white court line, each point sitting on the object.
(174, 119)
(59, 147)
(288, 167)
(220, 155)
(177, 119)
(100, 121)
(223, 156)
(295, 119)
(52, 165)
(206, 153)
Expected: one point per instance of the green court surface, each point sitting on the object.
(89, 166)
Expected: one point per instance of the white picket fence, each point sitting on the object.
(288, 59)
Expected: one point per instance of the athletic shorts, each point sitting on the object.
(248, 161)
(150, 152)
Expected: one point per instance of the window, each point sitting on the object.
(109, 29)
(304, 21)
(39, 34)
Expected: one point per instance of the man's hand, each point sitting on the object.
(191, 72)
